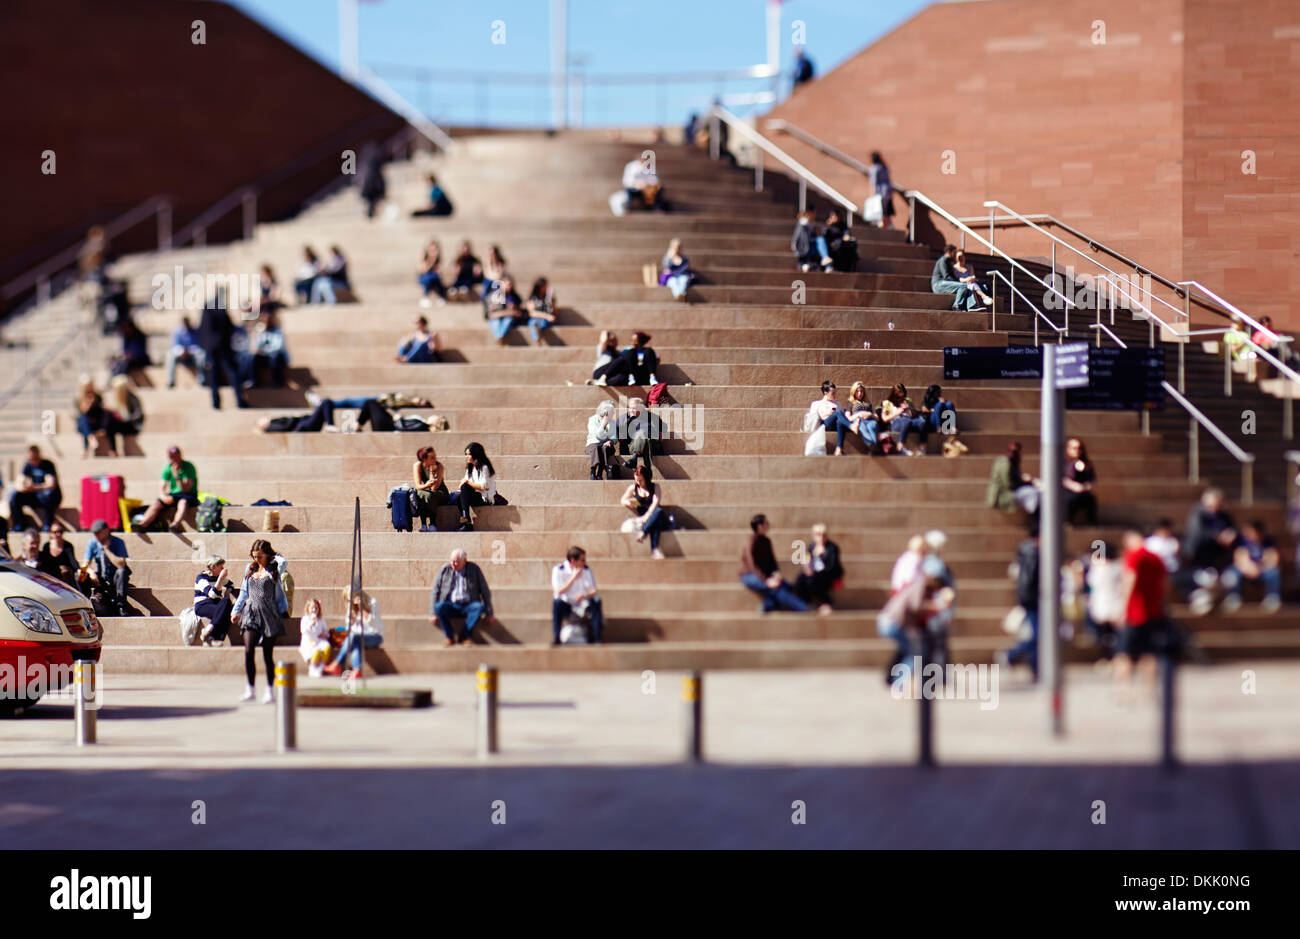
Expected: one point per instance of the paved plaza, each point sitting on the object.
(594, 760)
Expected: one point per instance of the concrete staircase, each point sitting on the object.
(753, 357)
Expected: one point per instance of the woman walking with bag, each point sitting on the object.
(259, 613)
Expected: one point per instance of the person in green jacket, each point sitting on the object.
(1009, 486)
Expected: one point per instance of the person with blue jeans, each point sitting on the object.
(897, 411)
(428, 276)
(333, 278)
(643, 500)
(862, 413)
(760, 573)
(829, 415)
(933, 408)
(503, 309)
(1255, 557)
(38, 488)
(574, 588)
(675, 271)
(421, 347)
(539, 309)
(943, 279)
(1027, 596)
(363, 611)
(459, 590)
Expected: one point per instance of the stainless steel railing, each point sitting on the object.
(1196, 420)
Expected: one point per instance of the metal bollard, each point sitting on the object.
(86, 702)
(1168, 667)
(925, 728)
(693, 696)
(487, 711)
(286, 707)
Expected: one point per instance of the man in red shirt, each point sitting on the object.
(1146, 617)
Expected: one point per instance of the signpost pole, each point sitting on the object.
(1050, 672)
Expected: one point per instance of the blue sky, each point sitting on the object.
(610, 36)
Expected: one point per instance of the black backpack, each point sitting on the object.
(210, 516)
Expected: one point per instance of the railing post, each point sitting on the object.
(693, 715)
(715, 144)
(165, 226)
(1151, 333)
(1193, 452)
(85, 702)
(911, 218)
(1227, 368)
(1288, 431)
(201, 238)
(1248, 482)
(250, 214)
(991, 210)
(1182, 368)
(1146, 423)
(758, 172)
(286, 706)
(487, 711)
(803, 194)
(1011, 291)
(993, 311)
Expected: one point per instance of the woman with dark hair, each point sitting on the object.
(897, 411)
(539, 308)
(494, 268)
(675, 271)
(1009, 486)
(259, 613)
(469, 272)
(308, 271)
(642, 362)
(477, 487)
(611, 365)
(933, 407)
(840, 244)
(94, 421)
(883, 187)
(1078, 481)
(269, 288)
(642, 499)
(430, 486)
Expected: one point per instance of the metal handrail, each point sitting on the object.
(915, 195)
(1025, 220)
(784, 126)
(43, 273)
(389, 97)
(1178, 287)
(461, 76)
(805, 175)
(1197, 419)
(1102, 327)
(1015, 292)
(247, 194)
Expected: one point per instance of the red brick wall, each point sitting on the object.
(1242, 92)
(132, 108)
(1127, 140)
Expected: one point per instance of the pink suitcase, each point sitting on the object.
(99, 499)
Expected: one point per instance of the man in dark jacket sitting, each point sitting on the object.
(639, 434)
(459, 590)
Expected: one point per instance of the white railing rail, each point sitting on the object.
(914, 195)
(1016, 292)
(719, 115)
(1197, 420)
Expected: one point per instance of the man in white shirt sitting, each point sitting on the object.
(574, 587)
(642, 185)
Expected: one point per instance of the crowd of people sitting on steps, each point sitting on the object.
(884, 429)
